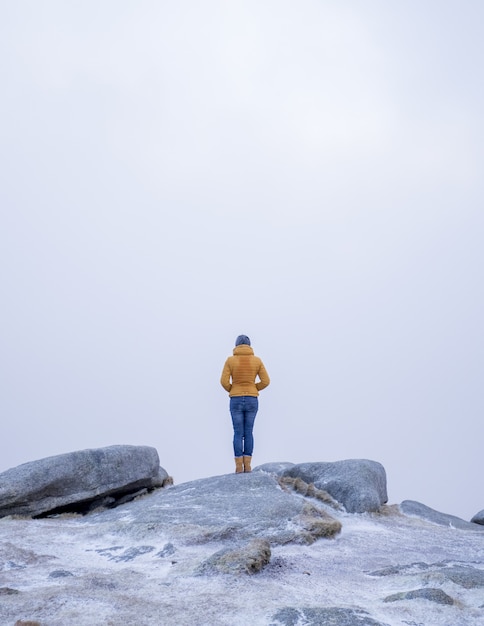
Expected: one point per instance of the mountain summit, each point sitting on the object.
(285, 545)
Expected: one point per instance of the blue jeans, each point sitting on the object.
(243, 410)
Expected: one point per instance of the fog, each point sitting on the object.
(310, 174)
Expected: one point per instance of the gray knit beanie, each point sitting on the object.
(242, 339)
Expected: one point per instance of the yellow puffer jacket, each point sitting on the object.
(240, 371)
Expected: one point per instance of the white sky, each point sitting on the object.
(307, 173)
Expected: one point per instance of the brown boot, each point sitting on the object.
(247, 460)
(239, 465)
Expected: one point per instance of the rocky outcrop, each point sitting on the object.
(417, 509)
(478, 518)
(242, 507)
(358, 484)
(239, 549)
(80, 480)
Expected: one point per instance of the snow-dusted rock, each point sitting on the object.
(478, 518)
(433, 595)
(359, 484)
(316, 616)
(452, 574)
(411, 507)
(99, 476)
(235, 507)
(465, 576)
(181, 557)
(273, 468)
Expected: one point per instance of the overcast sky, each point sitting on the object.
(307, 173)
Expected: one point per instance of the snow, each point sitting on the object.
(112, 570)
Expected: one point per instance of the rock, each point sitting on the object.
(8, 591)
(358, 484)
(434, 595)
(408, 568)
(183, 556)
(232, 507)
(464, 576)
(316, 616)
(60, 573)
(247, 559)
(167, 550)
(129, 554)
(478, 518)
(72, 481)
(417, 509)
(273, 468)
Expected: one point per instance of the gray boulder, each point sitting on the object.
(464, 575)
(359, 484)
(417, 509)
(320, 616)
(478, 518)
(459, 573)
(433, 595)
(75, 480)
(273, 468)
(232, 507)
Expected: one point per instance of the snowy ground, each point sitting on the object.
(86, 572)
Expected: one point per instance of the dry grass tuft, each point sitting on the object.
(309, 491)
(388, 510)
(317, 524)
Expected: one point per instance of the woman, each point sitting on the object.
(238, 378)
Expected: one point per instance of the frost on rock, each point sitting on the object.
(411, 507)
(240, 549)
(459, 573)
(234, 507)
(333, 616)
(428, 593)
(80, 481)
(358, 484)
